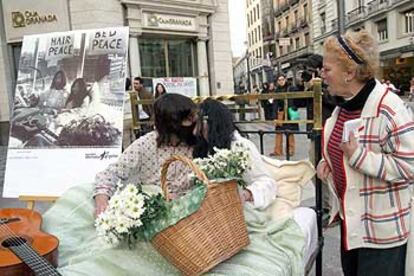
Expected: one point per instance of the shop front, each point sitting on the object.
(397, 65)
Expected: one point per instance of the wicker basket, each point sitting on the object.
(214, 233)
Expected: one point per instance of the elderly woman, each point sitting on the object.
(369, 172)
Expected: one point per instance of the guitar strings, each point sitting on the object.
(25, 249)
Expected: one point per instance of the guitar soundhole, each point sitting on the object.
(15, 241)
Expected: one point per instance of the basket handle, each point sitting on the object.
(198, 172)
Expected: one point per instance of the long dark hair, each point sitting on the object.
(170, 111)
(158, 94)
(62, 84)
(220, 128)
(77, 96)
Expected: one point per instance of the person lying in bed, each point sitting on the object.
(175, 116)
(215, 129)
(276, 246)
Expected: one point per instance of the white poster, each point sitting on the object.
(67, 120)
(184, 86)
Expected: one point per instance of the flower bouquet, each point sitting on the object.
(194, 232)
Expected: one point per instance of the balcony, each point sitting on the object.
(303, 22)
(306, 50)
(378, 5)
(284, 7)
(356, 14)
(277, 12)
(268, 37)
(277, 35)
(293, 28)
(394, 2)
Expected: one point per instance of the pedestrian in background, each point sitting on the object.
(283, 86)
(370, 171)
(268, 106)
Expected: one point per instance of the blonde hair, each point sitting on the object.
(363, 45)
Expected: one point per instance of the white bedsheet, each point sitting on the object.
(306, 218)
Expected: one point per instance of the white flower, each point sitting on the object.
(121, 216)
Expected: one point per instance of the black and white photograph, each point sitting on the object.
(69, 90)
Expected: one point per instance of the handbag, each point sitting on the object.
(293, 114)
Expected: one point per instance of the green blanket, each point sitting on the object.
(276, 246)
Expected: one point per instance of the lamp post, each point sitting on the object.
(248, 66)
(341, 16)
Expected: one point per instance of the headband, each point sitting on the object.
(351, 54)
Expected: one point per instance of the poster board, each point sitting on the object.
(178, 85)
(67, 118)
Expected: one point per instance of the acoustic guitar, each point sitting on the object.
(24, 249)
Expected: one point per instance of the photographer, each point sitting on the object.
(313, 67)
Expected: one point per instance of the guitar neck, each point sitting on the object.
(32, 259)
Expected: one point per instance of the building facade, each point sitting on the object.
(293, 33)
(176, 38)
(391, 21)
(254, 54)
(324, 22)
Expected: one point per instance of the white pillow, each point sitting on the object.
(290, 177)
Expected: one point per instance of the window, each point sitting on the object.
(409, 22)
(258, 29)
(382, 30)
(305, 12)
(258, 12)
(255, 35)
(290, 47)
(254, 14)
(250, 41)
(296, 17)
(307, 39)
(280, 50)
(167, 58)
(279, 26)
(297, 43)
(248, 21)
(323, 22)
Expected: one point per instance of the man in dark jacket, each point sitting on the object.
(143, 94)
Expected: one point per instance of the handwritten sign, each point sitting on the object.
(107, 41)
(59, 47)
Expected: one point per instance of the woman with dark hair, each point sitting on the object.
(78, 93)
(159, 90)
(175, 117)
(215, 129)
(59, 80)
(55, 97)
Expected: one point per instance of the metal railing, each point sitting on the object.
(356, 14)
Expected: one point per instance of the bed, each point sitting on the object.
(283, 240)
